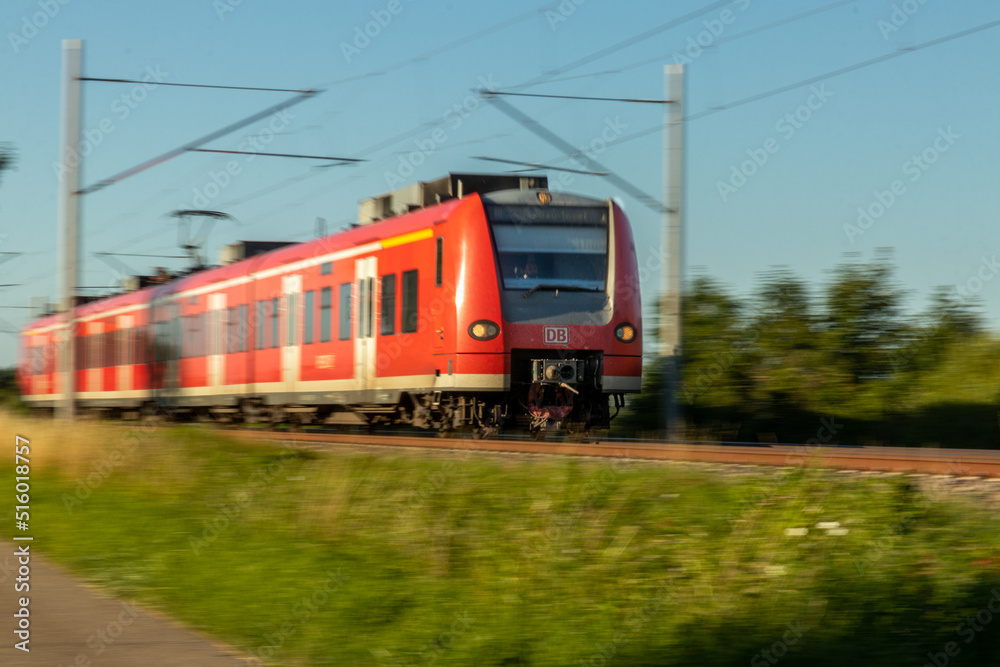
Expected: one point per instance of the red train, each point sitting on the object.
(475, 301)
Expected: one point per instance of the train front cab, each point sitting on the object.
(569, 298)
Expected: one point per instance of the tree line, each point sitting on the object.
(770, 365)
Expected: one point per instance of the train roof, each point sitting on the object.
(357, 235)
(341, 240)
(350, 238)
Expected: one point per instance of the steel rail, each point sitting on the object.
(951, 462)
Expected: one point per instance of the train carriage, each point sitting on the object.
(463, 302)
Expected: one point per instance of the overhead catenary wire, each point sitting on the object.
(490, 93)
(139, 254)
(550, 76)
(438, 50)
(717, 42)
(200, 141)
(536, 165)
(552, 138)
(312, 157)
(197, 85)
(543, 78)
(805, 82)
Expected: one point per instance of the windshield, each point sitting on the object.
(551, 254)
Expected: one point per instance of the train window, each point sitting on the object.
(345, 311)
(388, 307)
(243, 330)
(325, 308)
(110, 354)
(229, 345)
(211, 331)
(307, 333)
(197, 341)
(369, 305)
(556, 246)
(260, 325)
(233, 330)
(408, 321)
(79, 352)
(237, 322)
(274, 322)
(439, 262)
(217, 325)
(326, 268)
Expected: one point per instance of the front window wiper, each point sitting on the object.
(568, 288)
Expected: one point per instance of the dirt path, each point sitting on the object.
(72, 624)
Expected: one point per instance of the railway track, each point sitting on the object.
(951, 462)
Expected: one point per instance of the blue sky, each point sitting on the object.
(843, 143)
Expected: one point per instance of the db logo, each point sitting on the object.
(555, 335)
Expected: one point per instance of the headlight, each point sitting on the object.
(484, 330)
(625, 333)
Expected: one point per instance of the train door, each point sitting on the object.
(291, 350)
(439, 308)
(365, 271)
(125, 330)
(216, 340)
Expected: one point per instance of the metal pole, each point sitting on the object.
(673, 220)
(69, 216)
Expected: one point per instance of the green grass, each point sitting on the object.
(431, 558)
